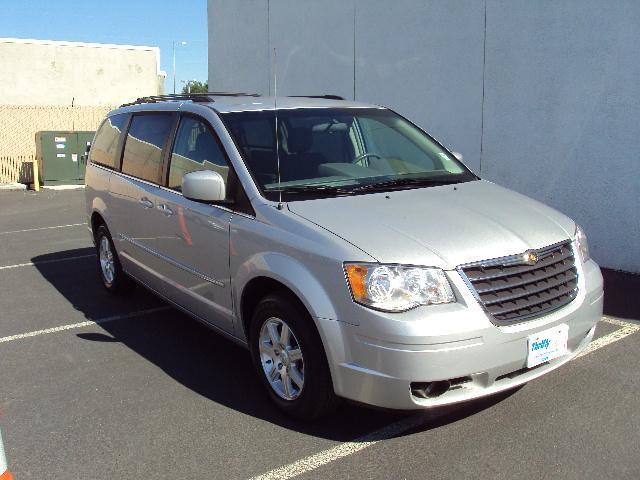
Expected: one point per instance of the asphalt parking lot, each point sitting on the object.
(96, 387)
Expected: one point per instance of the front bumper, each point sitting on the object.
(377, 361)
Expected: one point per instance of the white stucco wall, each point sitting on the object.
(42, 72)
(540, 96)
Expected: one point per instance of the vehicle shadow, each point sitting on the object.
(192, 354)
(620, 299)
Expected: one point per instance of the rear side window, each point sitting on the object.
(195, 148)
(143, 148)
(105, 146)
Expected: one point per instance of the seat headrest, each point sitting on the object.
(206, 147)
(299, 140)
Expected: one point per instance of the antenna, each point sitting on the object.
(275, 110)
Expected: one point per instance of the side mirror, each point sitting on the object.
(204, 186)
(458, 155)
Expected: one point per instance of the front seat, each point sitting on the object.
(298, 163)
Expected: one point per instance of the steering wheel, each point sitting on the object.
(359, 159)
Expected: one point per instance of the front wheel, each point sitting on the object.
(289, 358)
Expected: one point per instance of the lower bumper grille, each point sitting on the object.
(522, 287)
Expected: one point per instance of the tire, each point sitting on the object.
(301, 383)
(113, 277)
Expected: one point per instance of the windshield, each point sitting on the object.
(329, 152)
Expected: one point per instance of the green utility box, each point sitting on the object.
(62, 156)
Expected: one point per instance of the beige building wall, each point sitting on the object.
(19, 124)
(18, 127)
(46, 72)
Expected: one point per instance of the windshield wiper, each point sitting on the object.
(313, 189)
(369, 187)
(402, 182)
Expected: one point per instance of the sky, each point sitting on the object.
(156, 23)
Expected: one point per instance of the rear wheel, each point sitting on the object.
(289, 358)
(111, 273)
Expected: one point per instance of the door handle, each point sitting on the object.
(146, 203)
(164, 209)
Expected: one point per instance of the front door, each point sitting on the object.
(194, 244)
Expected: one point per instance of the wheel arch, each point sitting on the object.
(99, 215)
(255, 290)
(96, 220)
(265, 273)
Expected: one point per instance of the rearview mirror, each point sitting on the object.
(203, 186)
(458, 155)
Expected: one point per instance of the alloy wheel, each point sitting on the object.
(281, 358)
(107, 262)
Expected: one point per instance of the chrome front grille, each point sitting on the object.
(513, 289)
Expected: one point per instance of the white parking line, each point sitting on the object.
(343, 450)
(72, 326)
(626, 330)
(43, 262)
(319, 459)
(43, 228)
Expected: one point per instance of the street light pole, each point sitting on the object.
(174, 62)
(174, 67)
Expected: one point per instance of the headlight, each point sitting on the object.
(581, 244)
(396, 288)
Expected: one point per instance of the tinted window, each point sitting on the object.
(105, 145)
(195, 148)
(143, 148)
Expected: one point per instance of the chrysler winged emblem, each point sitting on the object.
(530, 258)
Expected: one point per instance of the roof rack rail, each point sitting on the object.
(194, 97)
(232, 94)
(328, 97)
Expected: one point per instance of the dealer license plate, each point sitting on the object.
(547, 345)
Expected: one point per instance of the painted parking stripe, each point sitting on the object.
(343, 450)
(73, 326)
(620, 323)
(626, 329)
(319, 459)
(43, 228)
(44, 262)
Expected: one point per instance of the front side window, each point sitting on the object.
(195, 148)
(105, 146)
(329, 151)
(146, 138)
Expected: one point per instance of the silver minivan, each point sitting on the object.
(351, 253)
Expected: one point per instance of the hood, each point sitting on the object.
(443, 226)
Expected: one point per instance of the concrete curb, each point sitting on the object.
(63, 187)
(10, 187)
